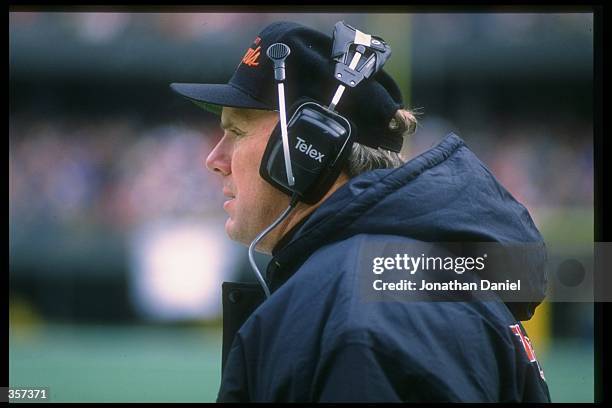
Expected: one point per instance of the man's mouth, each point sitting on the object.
(229, 197)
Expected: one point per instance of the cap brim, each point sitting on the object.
(213, 97)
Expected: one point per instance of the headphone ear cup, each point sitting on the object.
(319, 143)
(272, 167)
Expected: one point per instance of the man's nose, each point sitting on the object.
(218, 161)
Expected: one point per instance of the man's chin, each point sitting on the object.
(231, 230)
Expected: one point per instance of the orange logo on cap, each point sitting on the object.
(252, 54)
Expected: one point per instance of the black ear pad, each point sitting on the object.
(320, 142)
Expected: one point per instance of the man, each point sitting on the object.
(316, 338)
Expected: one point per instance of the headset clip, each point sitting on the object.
(357, 55)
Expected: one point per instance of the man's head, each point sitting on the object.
(249, 114)
(252, 203)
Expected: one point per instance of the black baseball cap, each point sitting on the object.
(309, 73)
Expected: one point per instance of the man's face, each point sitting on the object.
(252, 204)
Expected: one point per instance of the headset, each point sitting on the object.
(304, 156)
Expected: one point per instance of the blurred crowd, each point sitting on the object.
(112, 173)
(119, 174)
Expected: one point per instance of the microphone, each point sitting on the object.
(278, 52)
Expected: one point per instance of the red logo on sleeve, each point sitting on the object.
(526, 343)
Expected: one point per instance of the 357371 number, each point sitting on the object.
(27, 393)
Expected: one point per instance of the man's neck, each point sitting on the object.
(295, 217)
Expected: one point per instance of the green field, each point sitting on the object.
(183, 364)
(118, 364)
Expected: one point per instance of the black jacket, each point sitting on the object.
(315, 339)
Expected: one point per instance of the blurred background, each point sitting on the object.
(116, 240)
